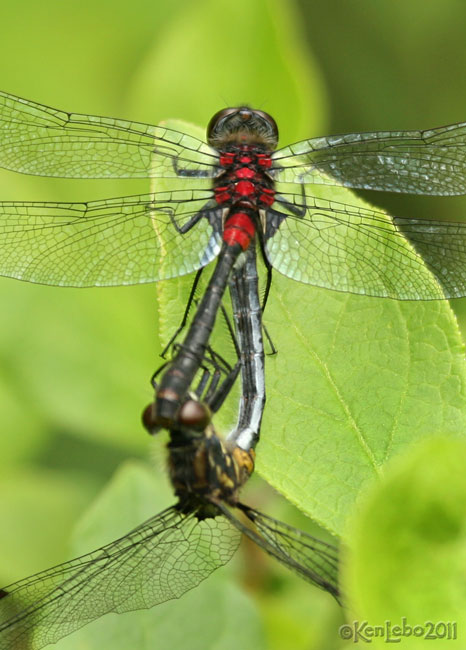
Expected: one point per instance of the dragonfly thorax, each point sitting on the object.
(245, 181)
(203, 465)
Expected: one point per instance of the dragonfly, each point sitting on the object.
(229, 193)
(175, 550)
(246, 336)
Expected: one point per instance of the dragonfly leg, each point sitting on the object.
(190, 173)
(184, 320)
(296, 210)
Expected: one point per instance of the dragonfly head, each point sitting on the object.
(192, 416)
(242, 125)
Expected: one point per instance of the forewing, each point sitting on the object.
(160, 560)
(312, 559)
(442, 245)
(360, 250)
(125, 240)
(39, 140)
(415, 162)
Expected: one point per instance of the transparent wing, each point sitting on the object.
(160, 560)
(359, 250)
(44, 141)
(309, 557)
(415, 162)
(125, 240)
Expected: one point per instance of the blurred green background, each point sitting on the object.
(75, 364)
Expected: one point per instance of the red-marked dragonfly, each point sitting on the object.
(237, 191)
(173, 551)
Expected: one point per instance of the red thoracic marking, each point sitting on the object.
(227, 159)
(264, 160)
(239, 229)
(267, 196)
(222, 194)
(245, 172)
(245, 180)
(245, 188)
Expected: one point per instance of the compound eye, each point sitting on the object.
(270, 121)
(149, 420)
(194, 415)
(218, 118)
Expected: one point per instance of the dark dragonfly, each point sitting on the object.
(248, 342)
(232, 193)
(173, 551)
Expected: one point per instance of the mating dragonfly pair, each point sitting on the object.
(176, 549)
(242, 196)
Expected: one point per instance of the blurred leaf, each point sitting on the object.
(83, 359)
(134, 494)
(408, 557)
(37, 511)
(254, 54)
(24, 431)
(301, 619)
(53, 40)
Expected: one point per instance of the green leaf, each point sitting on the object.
(37, 509)
(408, 554)
(356, 380)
